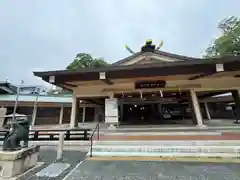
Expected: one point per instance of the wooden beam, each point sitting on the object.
(203, 96)
(201, 76)
(64, 87)
(70, 85)
(94, 101)
(107, 81)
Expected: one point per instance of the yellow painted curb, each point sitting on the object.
(181, 159)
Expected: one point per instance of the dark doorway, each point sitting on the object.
(140, 114)
(151, 114)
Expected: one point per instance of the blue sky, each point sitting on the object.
(38, 35)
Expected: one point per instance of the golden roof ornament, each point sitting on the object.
(147, 47)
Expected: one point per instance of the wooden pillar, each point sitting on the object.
(207, 110)
(34, 115)
(61, 115)
(3, 112)
(77, 112)
(236, 97)
(96, 111)
(121, 111)
(84, 114)
(190, 106)
(196, 108)
(73, 112)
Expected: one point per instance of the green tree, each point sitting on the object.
(229, 42)
(84, 60)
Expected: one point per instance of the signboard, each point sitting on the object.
(219, 67)
(102, 75)
(111, 111)
(150, 84)
(52, 79)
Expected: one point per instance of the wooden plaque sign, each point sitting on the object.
(150, 84)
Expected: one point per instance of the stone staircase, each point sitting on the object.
(212, 144)
(167, 148)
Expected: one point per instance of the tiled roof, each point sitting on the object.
(8, 88)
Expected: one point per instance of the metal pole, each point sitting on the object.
(16, 101)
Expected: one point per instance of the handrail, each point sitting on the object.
(96, 129)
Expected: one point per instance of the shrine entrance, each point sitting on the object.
(151, 108)
(140, 114)
(152, 114)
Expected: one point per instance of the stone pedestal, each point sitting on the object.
(17, 162)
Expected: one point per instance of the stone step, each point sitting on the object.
(170, 128)
(167, 149)
(170, 143)
(223, 136)
(147, 154)
(205, 133)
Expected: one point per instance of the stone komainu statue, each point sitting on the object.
(19, 132)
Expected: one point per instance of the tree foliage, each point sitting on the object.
(229, 42)
(84, 60)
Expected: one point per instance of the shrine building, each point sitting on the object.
(142, 88)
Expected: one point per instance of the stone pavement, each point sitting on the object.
(48, 157)
(149, 170)
(130, 170)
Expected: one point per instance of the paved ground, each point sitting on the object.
(133, 170)
(148, 170)
(48, 156)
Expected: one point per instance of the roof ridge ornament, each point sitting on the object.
(147, 47)
(160, 45)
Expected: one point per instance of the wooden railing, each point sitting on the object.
(53, 134)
